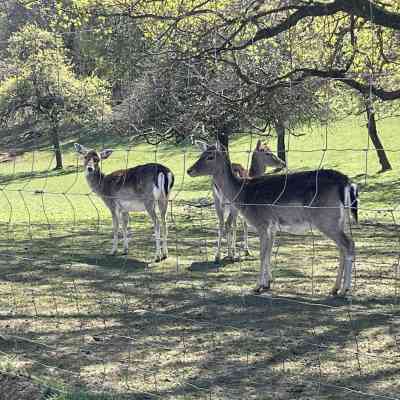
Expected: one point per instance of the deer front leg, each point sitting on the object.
(219, 210)
(339, 275)
(246, 238)
(125, 222)
(233, 236)
(265, 279)
(231, 227)
(115, 222)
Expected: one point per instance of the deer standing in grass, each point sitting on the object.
(261, 158)
(141, 188)
(293, 203)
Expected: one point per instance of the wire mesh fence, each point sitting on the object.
(190, 327)
(75, 318)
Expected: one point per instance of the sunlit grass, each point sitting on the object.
(74, 317)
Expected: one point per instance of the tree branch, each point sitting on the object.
(365, 9)
(341, 76)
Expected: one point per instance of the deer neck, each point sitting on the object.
(227, 183)
(95, 181)
(257, 168)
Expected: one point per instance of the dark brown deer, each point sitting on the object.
(141, 188)
(293, 203)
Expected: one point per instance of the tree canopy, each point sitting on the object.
(182, 66)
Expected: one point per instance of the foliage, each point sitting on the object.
(43, 84)
(205, 97)
(182, 67)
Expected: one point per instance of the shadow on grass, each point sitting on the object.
(204, 266)
(24, 176)
(117, 262)
(170, 331)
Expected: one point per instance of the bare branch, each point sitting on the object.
(365, 9)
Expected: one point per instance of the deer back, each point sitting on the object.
(294, 202)
(132, 188)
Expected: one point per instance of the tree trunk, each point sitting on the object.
(56, 146)
(223, 138)
(373, 134)
(280, 132)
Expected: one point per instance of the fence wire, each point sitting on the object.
(74, 317)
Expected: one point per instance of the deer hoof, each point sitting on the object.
(125, 252)
(261, 289)
(334, 291)
(112, 252)
(230, 258)
(345, 293)
(247, 253)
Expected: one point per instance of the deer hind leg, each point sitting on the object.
(345, 245)
(348, 264)
(115, 222)
(265, 279)
(125, 222)
(150, 208)
(163, 207)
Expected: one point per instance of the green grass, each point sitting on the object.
(73, 317)
(82, 396)
(348, 150)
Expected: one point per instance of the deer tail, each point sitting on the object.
(351, 200)
(165, 182)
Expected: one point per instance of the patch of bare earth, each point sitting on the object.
(18, 388)
(10, 156)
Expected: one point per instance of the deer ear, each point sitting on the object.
(80, 149)
(105, 153)
(258, 144)
(203, 146)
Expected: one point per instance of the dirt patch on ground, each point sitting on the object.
(10, 156)
(18, 388)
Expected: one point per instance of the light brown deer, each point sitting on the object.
(141, 188)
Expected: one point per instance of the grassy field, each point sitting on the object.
(77, 320)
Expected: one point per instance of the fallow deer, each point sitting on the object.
(261, 158)
(295, 202)
(141, 188)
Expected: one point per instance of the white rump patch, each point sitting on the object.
(158, 189)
